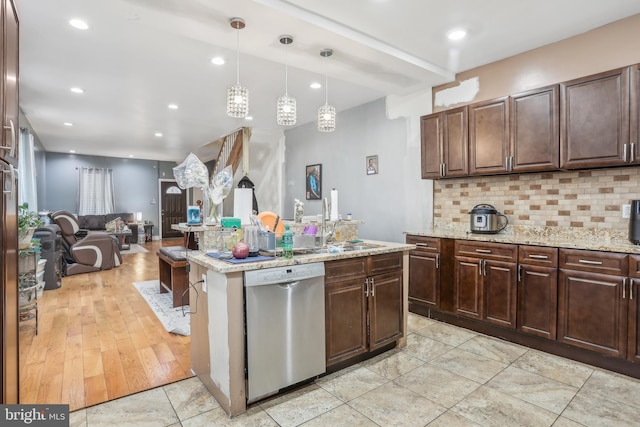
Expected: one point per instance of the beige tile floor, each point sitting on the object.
(445, 376)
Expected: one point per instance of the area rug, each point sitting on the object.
(134, 249)
(172, 318)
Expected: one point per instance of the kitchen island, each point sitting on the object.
(217, 303)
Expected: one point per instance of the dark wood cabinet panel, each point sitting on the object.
(431, 146)
(592, 313)
(534, 130)
(633, 323)
(444, 144)
(10, 109)
(385, 309)
(346, 320)
(489, 137)
(634, 116)
(363, 311)
(424, 271)
(537, 300)
(486, 250)
(594, 120)
(468, 287)
(616, 264)
(500, 293)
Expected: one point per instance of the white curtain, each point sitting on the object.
(27, 188)
(95, 191)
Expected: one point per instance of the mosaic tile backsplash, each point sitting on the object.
(576, 199)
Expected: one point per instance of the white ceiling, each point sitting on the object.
(138, 56)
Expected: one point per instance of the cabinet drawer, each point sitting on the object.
(538, 255)
(495, 251)
(424, 244)
(616, 264)
(336, 271)
(384, 263)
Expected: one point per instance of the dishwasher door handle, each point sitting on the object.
(288, 285)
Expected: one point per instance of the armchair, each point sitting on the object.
(86, 251)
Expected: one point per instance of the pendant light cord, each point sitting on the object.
(238, 56)
(326, 90)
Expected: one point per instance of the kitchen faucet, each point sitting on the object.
(326, 236)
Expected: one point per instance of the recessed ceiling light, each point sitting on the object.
(173, 106)
(457, 34)
(158, 134)
(72, 151)
(130, 155)
(248, 118)
(77, 90)
(315, 85)
(218, 60)
(68, 124)
(79, 24)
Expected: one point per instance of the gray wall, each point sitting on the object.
(135, 183)
(380, 200)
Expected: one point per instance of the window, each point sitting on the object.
(95, 191)
(27, 189)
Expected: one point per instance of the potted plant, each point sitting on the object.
(28, 221)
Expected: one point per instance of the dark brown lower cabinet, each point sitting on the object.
(485, 282)
(537, 291)
(424, 271)
(633, 350)
(363, 310)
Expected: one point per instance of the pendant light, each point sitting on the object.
(326, 113)
(237, 95)
(286, 107)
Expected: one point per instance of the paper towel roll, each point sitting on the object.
(243, 204)
(334, 205)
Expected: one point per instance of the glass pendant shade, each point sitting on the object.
(326, 118)
(286, 114)
(237, 101)
(237, 95)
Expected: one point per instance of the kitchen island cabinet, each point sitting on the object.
(363, 303)
(217, 323)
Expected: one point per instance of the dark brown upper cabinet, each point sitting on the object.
(594, 120)
(634, 116)
(489, 137)
(444, 144)
(534, 130)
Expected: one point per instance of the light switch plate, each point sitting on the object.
(626, 211)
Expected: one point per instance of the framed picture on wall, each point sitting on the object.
(372, 165)
(314, 182)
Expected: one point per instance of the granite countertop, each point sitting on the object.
(598, 240)
(220, 266)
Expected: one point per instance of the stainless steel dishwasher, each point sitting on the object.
(285, 327)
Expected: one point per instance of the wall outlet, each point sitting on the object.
(626, 211)
(204, 283)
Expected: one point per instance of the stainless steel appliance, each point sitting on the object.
(634, 222)
(486, 219)
(285, 327)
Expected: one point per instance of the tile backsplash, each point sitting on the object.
(584, 199)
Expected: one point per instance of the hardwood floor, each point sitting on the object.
(99, 340)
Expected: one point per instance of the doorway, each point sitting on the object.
(173, 208)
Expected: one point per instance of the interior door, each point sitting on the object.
(173, 202)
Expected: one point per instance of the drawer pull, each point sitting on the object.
(586, 261)
(539, 256)
(484, 251)
(422, 245)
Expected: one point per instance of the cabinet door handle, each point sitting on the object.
(12, 144)
(519, 272)
(12, 185)
(624, 153)
(539, 256)
(631, 283)
(586, 261)
(484, 262)
(480, 267)
(366, 287)
(624, 287)
(632, 152)
(437, 260)
(373, 287)
(483, 251)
